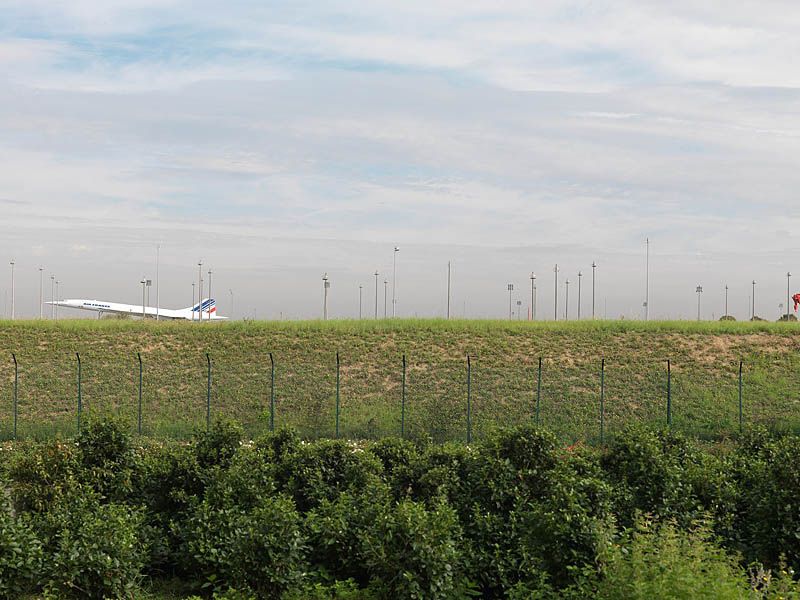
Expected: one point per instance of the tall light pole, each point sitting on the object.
(385, 296)
(360, 290)
(158, 289)
(394, 281)
(326, 284)
(788, 294)
(594, 267)
(209, 293)
(699, 291)
(376, 294)
(726, 300)
(148, 285)
(753, 318)
(448, 290)
(12, 289)
(199, 290)
(647, 281)
(580, 275)
(533, 303)
(555, 303)
(519, 309)
(53, 296)
(510, 294)
(57, 282)
(231, 292)
(144, 284)
(566, 301)
(41, 293)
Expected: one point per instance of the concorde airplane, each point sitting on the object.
(206, 310)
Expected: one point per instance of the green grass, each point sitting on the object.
(704, 355)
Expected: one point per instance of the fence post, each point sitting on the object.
(403, 402)
(538, 390)
(16, 386)
(139, 421)
(469, 400)
(337, 394)
(669, 394)
(602, 400)
(80, 399)
(741, 420)
(208, 392)
(271, 393)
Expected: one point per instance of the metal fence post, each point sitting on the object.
(538, 389)
(337, 394)
(602, 400)
(139, 421)
(741, 420)
(403, 402)
(469, 400)
(16, 389)
(80, 399)
(271, 393)
(669, 393)
(208, 392)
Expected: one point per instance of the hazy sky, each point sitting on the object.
(278, 141)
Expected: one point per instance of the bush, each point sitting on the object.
(93, 550)
(107, 459)
(20, 554)
(260, 551)
(40, 475)
(217, 445)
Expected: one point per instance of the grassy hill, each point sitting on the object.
(705, 361)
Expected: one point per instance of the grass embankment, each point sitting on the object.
(705, 360)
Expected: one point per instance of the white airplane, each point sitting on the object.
(206, 310)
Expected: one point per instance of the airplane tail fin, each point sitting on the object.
(208, 305)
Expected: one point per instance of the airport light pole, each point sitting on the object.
(510, 293)
(385, 296)
(699, 291)
(158, 289)
(376, 294)
(566, 301)
(209, 293)
(53, 296)
(57, 282)
(594, 268)
(394, 281)
(12, 289)
(326, 284)
(726, 300)
(148, 285)
(647, 281)
(555, 303)
(360, 290)
(753, 318)
(199, 290)
(519, 309)
(533, 304)
(788, 293)
(231, 292)
(580, 275)
(448, 290)
(144, 286)
(41, 293)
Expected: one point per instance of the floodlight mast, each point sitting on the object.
(753, 317)
(647, 281)
(199, 291)
(699, 291)
(533, 298)
(12, 289)
(594, 267)
(555, 303)
(326, 284)
(394, 281)
(53, 296)
(41, 293)
(448, 290)
(144, 284)
(726, 300)
(580, 275)
(209, 293)
(376, 294)
(788, 293)
(510, 294)
(360, 291)
(566, 301)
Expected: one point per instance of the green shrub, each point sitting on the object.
(93, 550)
(662, 561)
(217, 445)
(20, 554)
(401, 463)
(107, 459)
(338, 590)
(260, 551)
(41, 474)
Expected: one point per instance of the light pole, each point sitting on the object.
(519, 309)
(647, 280)
(148, 285)
(594, 267)
(385, 296)
(376, 294)
(326, 284)
(788, 294)
(209, 293)
(57, 282)
(12, 289)
(566, 301)
(580, 275)
(52, 296)
(231, 292)
(555, 303)
(753, 318)
(448, 290)
(699, 291)
(726, 300)
(510, 293)
(533, 303)
(360, 289)
(41, 293)
(144, 285)
(199, 290)
(158, 289)
(394, 281)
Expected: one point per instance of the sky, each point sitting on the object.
(275, 142)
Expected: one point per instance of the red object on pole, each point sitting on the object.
(796, 299)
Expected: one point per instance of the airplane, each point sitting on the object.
(191, 313)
